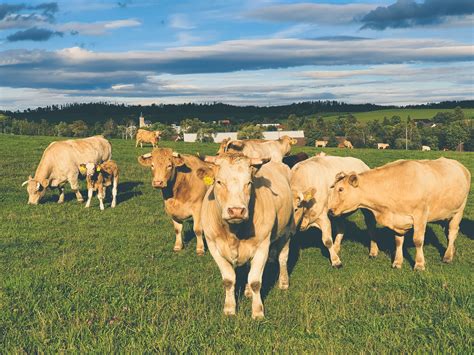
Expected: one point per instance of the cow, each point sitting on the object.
(99, 177)
(407, 194)
(311, 181)
(259, 148)
(321, 143)
(246, 211)
(182, 179)
(144, 136)
(292, 160)
(60, 164)
(383, 145)
(348, 144)
(425, 148)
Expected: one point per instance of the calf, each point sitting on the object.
(99, 177)
(406, 194)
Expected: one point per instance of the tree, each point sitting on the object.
(62, 129)
(455, 134)
(332, 141)
(205, 135)
(79, 128)
(191, 125)
(110, 128)
(250, 132)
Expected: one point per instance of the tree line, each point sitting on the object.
(445, 130)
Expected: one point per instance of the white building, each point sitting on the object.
(220, 136)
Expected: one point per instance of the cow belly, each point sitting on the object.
(179, 211)
(397, 222)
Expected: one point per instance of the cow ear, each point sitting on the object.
(145, 159)
(208, 158)
(339, 177)
(293, 141)
(178, 161)
(309, 194)
(45, 183)
(354, 179)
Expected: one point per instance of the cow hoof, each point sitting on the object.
(248, 291)
(177, 248)
(60, 201)
(447, 260)
(283, 286)
(396, 266)
(258, 316)
(200, 252)
(372, 256)
(419, 267)
(337, 266)
(229, 312)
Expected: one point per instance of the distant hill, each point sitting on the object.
(121, 113)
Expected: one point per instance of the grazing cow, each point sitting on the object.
(321, 144)
(144, 136)
(259, 148)
(60, 164)
(348, 144)
(311, 181)
(182, 179)
(245, 212)
(425, 148)
(406, 194)
(383, 145)
(99, 177)
(292, 160)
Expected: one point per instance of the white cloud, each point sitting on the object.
(96, 28)
(181, 22)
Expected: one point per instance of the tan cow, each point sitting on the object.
(182, 180)
(259, 148)
(383, 145)
(406, 194)
(60, 164)
(311, 181)
(321, 144)
(99, 177)
(144, 136)
(245, 212)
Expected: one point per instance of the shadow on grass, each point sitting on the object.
(126, 191)
(467, 228)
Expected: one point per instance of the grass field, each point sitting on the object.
(81, 280)
(402, 112)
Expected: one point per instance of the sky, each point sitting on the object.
(250, 52)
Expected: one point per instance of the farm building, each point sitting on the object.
(273, 135)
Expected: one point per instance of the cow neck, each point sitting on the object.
(369, 198)
(43, 171)
(170, 191)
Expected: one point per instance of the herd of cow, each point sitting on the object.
(251, 197)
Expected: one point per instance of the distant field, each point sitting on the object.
(77, 280)
(403, 113)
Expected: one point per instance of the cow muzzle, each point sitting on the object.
(236, 214)
(158, 184)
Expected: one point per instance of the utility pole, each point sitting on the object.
(406, 135)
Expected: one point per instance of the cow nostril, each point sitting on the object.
(236, 211)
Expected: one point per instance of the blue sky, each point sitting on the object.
(259, 52)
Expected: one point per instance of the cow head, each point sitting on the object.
(302, 206)
(234, 175)
(36, 189)
(287, 142)
(89, 169)
(344, 196)
(223, 146)
(158, 134)
(163, 163)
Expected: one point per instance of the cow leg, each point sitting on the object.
(371, 227)
(326, 230)
(453, 230)
(398, 260)
(283, 279)
(419, 229)
(198, 231)
(228, 279)
(114, 192)
(136, 143)
(61, 194)
(340, 229)
(141, 144)
(101, 196)
(90, 192)
(75, 188)
(255, 277)
(178, 228)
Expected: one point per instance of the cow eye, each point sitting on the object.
(169, 167)
(152, 166)
(219, 182)
(341, 189)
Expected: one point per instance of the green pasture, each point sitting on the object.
(77, 280)
(402, 112)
